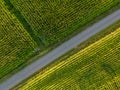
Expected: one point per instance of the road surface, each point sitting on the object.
(60, 50)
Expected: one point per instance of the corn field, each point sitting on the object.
(53, 20)
(96, 67)
(16, 45)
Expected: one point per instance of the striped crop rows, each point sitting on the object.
(94, 68)
(53, 20)
(16, 45)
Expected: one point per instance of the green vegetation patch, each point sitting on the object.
(96, 67)
(16, 45)
(53, 20)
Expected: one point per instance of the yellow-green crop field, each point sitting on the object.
(27, 25)
(53, 20)
(96, 67)
(16, 45)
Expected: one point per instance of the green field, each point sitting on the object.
(16, 45)
(28, 26)
(52, 20)
(96, 67)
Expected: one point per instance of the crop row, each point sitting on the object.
(94, 68)
(53, 20)
(16, 45)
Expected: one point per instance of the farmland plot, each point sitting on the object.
(16, 45)
(53, 20)
(96, 67)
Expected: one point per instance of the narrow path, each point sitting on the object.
(59, 51)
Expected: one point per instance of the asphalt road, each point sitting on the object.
(60, 50)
